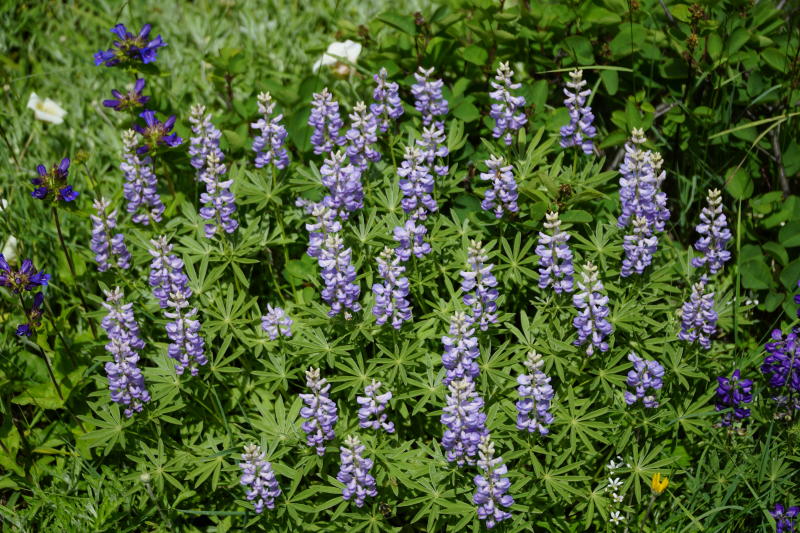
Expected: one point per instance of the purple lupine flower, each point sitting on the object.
(460, 350)
(592, 322)
(341, 289)
(465, 422)
(33, 316)
(344, 183)
(125, 380)
(490, 496)
(371, 413)
(25, 279)
(536, 395)
(646, 374)
(326, 223)
(156, 133)
(205, 140)
(781, 368)
(361, 137)
(54, 181)
(320, 412)
(555, 257)
(714, 235)
(130, 47)
(416, 183)
(104, 244)
(507, 111)
(433, 143)
(258, 477)
(733, 393)
(218, 199)
(503, 194)
(188, 346)
(640, 183)
(133, 99)
(428, 99)
(785, 518)
(354, 472)
(579, 131)
(478, 285)
(639, 248)
(698, 318)
(391, 296)
(268, 146)
(166, 273)
(326, 122)
(276, 323)
(387, 106)
(410, 238)
(140, 183)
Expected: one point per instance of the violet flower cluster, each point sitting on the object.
(507, 109)
(490, 496)
(144, 202)
(579, 131)
(503, 194)
(416, 184)
(428, 99)
(343, 180)
(156, 133)
(785, 518)
(464, 421)
(372, 406)
(205, 140)
(536, 395)
(104, 244)
(341, 290)
(714, 235)
(326, 121)
(33, 316)
(410, 238)
(781, 368)
(130, 48)
(320, 411)
(698, 318)
(387, 106)
(478, 285)
(592, 320)
(639, 247)
(391, 295)
(125, 379)
(646, 374)
(276, 323)
(268, 146)
(433, 144)
(555, 257)
(354, 472)
(19, 281)
(733, 393)
(258, 477)
(460, 350)
(132, 100)
(53, 183)
(362, 136)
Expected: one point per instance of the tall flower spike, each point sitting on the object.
(205, 140)
(536, 395)
(326, 121)
(781, 368)
(53, 183)
(715, 235)
(125, 379)
(130, 48)
(416, 184)
(371, 413)
(698, 318)
(188, 346)
(460, 350)
(503, 194)
(218, 198)
(640, 183)
(258, 477)
(320, 411)
(140, 183)
(478, 285)
(387, 106)
(341, 289)
(276, 323)
(410, 238)
(428, 99)
(433, 143)
(104, 244)
(268, 146)
(639, 248)
(325, 223)
(391, 296)
(592, 323)
(733, 393)
(555, 257)
(507, 109)
(354, 472)
(490, 496)
(362, 136)
(464, 421)
(579, 131)
(344, 183)
(646, 374)
(166, 272)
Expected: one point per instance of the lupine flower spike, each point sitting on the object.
(460, 350)
(362, 137)
(507, 109)
(536, 396)
(372, 406)
(276, 323)
(320, 411)
(140, 183)
(579, 131)
(410, 238)
(132, 100)
(387, 106)
(433, 144)
(416, 184)
(268, 146)
(53, 183)
(464, 421)
(343, 180)
(639, 248)
(491, 495)
(698, 318)
(781, 368)
(555, 257)
(646, 374)
(204, 141)
(503, 194)
(326, 121)
(354, 472)
(715, 235)
(105, 243)
(341, 290)
(391, 296)
(733, 393)
(478, 285)
(130, 48)
(258, 477)
(592, 322)
(428, 99)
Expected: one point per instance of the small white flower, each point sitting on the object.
(615, 483)
(616, 517)
(337, 53)
(617, 497)
(10, 249)
(613, 465)
(46, 110)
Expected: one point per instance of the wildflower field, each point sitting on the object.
(394, 267)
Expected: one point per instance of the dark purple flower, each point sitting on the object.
(781, 368)
(734, 393)
(785, 518)
(133, 99)
(130, 47)
(156, 133)
(54, 181)
(26, 279)
(34, 316)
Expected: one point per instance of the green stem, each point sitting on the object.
(43, 354)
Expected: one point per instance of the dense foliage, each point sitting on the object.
(484, 265)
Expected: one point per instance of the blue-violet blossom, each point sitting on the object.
(140, 183)
(410, 238)
(715, 235)
(387, 106)
(428, 99)
(372, 406)
(698, 318)
(354, 472)
(478, 285)
(343, 180)
(646, 374)
(258, 477)
(503, 194)
(268, 146)
(490, 496)
(391, 295)
(555, 257)
(507, 109)
(460, 350)
(341, 289)
(104, 242)
(592, 322)
(536, 395)
(464, 421)
(362, 136)
(326, 121)
(276, 323)
(579, 131)
(320, 411)
(416, 184)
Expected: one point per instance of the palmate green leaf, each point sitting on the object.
(110, 428)
(581, 424)
(557, 482)
(210, 465)
(514, 262)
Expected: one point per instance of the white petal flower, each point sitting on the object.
(617, 497)
(336, 54)
(615, 483)
(46, 110)
(616, 517)
(10, 249)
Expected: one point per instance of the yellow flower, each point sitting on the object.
(659, 484)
